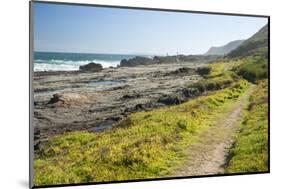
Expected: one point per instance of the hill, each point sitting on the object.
(255, 45)
(222, 50)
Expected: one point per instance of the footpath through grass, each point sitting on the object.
(145, 145)
(250, 152)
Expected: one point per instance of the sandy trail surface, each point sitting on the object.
(209, 155)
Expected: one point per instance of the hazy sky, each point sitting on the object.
(68, 28)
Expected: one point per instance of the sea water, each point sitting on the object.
(57, 61)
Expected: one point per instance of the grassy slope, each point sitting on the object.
(250, 153)
(255, 45)
(150, 144)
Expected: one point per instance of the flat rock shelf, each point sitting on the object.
(95, 101)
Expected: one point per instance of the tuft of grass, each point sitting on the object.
(250, 152)
(146, 145)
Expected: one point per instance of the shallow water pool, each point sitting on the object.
(104, 83)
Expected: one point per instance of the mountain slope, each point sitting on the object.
(257, 44)
(222, 50)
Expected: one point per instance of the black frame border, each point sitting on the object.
(31, 51)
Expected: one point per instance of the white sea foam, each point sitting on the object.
(68, 65)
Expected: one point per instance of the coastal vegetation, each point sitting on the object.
(253, 68)
(250, 152)
(153, 143)
(145, 145)
(150, 144)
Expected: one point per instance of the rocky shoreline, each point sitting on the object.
(139, 60)
(94, 101)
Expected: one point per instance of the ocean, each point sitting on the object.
(55, 61)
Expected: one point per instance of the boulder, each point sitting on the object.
(57, 100)
(91, 67)
(56, 97)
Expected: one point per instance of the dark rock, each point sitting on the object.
(56, 100)
(186, 70)
(114, 118)
(183, 71)
(40, 144)
(138, 60)
(91, 111)
(128, 96)
(191, 92)
(91, 67)
(185, 58)
(139, 107)
(203, 71)
(170, 99)
(165, 59)
(120, 87)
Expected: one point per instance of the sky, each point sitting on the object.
(85, 29)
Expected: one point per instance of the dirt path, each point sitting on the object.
(208, 156)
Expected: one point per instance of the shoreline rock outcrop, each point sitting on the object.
(91, 67)
(139, 60)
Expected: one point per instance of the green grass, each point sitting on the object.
(250, 153)
(222, 81)
(253, 68)
(220, 67)
(219, 76)
(145, 145)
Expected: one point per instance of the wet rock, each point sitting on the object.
(91, 67)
